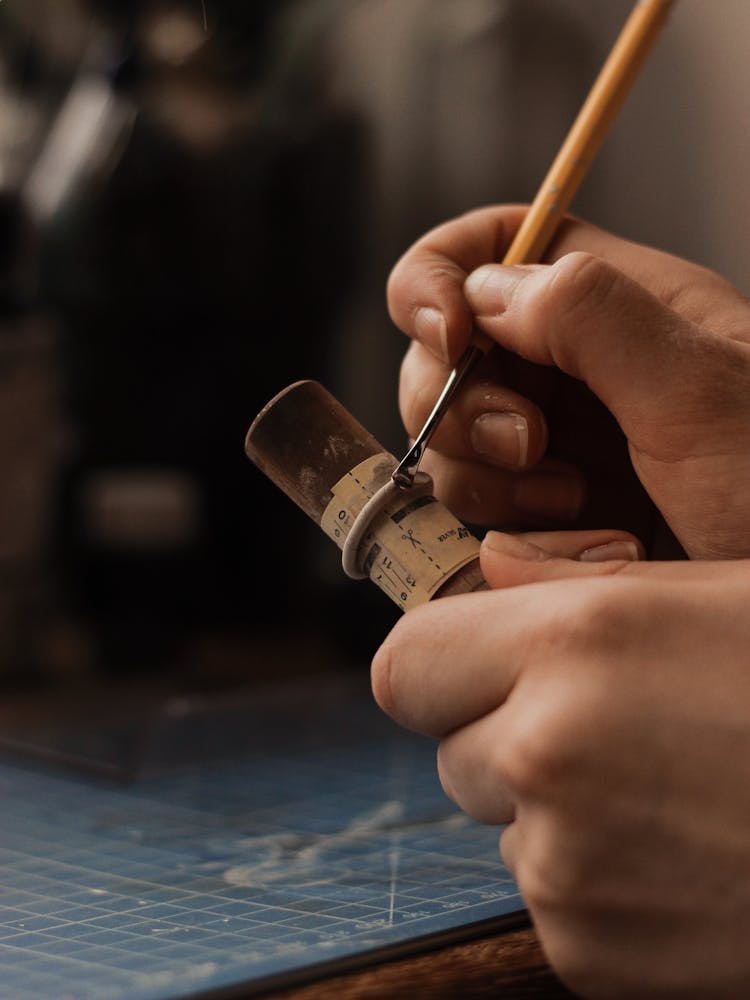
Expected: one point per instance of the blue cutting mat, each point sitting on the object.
(257, 841)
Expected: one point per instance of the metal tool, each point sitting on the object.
(406, 470)
(557, 190)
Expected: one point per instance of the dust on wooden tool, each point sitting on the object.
(414, 549)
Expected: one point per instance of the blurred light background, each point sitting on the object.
(200, 203)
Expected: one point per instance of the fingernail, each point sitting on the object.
(612, 550)
(432, 329)
(503, 437)
(548, 496)
(512, 545)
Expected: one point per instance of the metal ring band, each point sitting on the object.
(374, 506)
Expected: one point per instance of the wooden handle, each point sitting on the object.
(307, 443)
(588, 131)
(584, 139)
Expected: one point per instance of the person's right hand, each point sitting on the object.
(660, 343)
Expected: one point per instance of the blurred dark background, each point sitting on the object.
(199, 204)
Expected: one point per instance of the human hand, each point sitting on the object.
(602, 711)
(660, 344)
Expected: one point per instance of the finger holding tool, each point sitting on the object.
(556, 193)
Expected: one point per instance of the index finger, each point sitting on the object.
(425, 288)
(455, 660)
(447, 663)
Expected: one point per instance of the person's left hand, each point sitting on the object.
(602, 710)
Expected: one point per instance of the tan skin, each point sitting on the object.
(597, 703)
(661, 344)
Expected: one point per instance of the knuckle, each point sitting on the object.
(579, 279)
(534, 760)
(564, 706)
(498, 797)
(579, 289)
(546, 876)
(597, 619)
(472, 782)
(426, 278)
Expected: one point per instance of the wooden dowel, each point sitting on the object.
(306, 442)
(588, 131)
(556, 192)
(585, 137)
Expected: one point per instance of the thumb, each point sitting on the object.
(654, 370)
(510, 560)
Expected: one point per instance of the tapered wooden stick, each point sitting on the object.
(556, 192)
(306, 442)
(587, 133)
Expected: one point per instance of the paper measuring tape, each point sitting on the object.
(411, 546)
